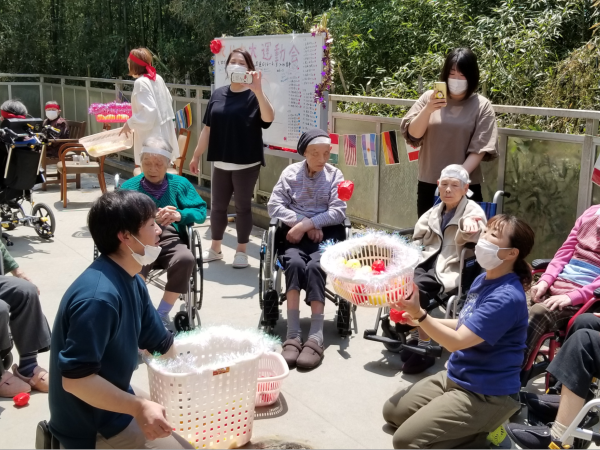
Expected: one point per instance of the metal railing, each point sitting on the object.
(385, 196)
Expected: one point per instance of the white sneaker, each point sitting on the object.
(210, 255)
(240, 260)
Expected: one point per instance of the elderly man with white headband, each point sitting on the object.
(178, 205)
(306, 200)
(443, 232)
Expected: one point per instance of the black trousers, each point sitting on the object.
(579, 358)
(426, 194)
(20, 309)
(302, 262)
(427, 282)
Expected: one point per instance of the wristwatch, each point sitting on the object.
(422, 318)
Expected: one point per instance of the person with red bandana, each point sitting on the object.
(13, 109)
(151, 105)
(54, 119)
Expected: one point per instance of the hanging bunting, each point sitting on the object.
(350, 149)
(369, 149)
(335, 149)
(390, 147)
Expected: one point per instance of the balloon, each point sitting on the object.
(345, 190)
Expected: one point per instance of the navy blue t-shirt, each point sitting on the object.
(102, 320)
(496, 311)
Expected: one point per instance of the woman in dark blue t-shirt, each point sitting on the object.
(479, 391)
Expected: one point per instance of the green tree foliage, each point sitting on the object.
(531, 52)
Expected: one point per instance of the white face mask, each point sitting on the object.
(51, 115)
(487, 254)
(457, 87)
(149, 256)
(236, 68)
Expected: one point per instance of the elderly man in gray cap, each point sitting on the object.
(306, 200)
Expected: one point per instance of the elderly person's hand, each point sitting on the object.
(538, 291)
(297, 231)
(471, 224)
(558, 302)
(126, 129)
(22, 275)
(167, 215)
(315, 235)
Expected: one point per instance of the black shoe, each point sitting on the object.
(526, 436)
(544, 407)
(417, 364)
(405, 354)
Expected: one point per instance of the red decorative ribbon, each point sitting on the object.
(52, 106)
(150, 70)
(8, 115)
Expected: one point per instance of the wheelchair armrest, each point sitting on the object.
(540, 264)
(274, 222)
(406, 231)
(347, 223)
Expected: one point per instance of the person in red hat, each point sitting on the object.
(151, 105)
(54, 119)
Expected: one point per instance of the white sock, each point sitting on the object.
(316, 328)
(293, 324)
(557, 430)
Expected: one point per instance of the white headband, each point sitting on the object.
(459, 174)
(320, 140)
(157, 151)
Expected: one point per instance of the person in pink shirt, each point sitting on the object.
(569, 280)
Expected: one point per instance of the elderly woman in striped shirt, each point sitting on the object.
(305, 199)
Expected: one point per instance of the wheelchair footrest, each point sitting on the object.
(271, 306)
(430, 350)
(371, 335)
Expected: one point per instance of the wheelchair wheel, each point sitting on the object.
(44, 222)
(390, 331)
(260, 270)
(197, 279)
(182, 321)
(7, 361)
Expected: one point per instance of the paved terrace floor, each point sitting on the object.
(338, 405)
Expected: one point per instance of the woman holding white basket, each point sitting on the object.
(459, 407)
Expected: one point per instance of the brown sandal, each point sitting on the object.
(311, 356)
(291, 351)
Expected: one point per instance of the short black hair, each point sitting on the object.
(466, 62)
(118, 211)
(14, 107)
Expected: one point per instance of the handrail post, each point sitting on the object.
(62, 94)
(588, 157)
(502, 154)
(87, 98)
(41, 97)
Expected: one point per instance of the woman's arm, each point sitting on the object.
(190, 205)
(200, 149)
(473, 160)
(145, 117)
(418, 125)
(267, 114)
(279, 202)
(336, 212)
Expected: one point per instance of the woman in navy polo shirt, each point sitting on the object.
(479, 391)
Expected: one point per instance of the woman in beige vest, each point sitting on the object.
(458, 130)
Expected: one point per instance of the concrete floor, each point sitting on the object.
(338, 405)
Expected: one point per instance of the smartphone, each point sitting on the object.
(239, 77)
(439, 88)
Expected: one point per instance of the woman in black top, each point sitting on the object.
(234, 120)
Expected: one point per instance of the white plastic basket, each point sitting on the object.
(213, 407)
(106, 142)
(272, 369)
(395, 284)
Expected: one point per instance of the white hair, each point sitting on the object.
(157, 142)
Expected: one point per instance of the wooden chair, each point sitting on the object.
(66, 167)
(184, 141)
(76, 131)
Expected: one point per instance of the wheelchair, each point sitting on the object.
(271, 295)
(394, 335)
(541, 357)
(189, 317)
